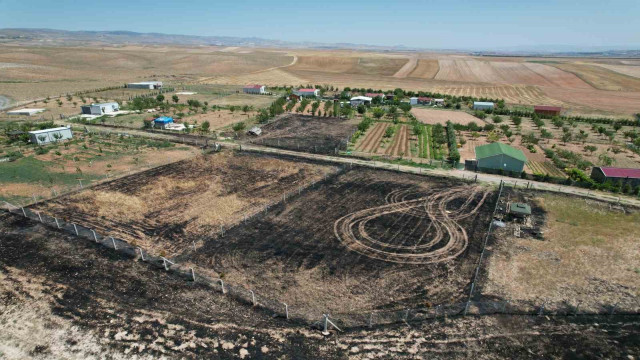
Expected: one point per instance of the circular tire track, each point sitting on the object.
(444, 238)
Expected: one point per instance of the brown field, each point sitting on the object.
(426, 69)
(370, 142)
(433, 116)
(574, 84)
(629, 70)
(589, 255)
(601, 78)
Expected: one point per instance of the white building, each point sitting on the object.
(28, 112)
(413, 101)
(48, 135)
(145, 85)
(360, 100)
(306, 92)
(481, 105)
(254, 89)
(438, 102)
(100, 109)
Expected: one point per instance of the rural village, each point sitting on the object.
(240, 202)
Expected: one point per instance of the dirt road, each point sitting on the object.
(407, 68)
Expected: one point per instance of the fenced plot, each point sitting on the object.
(320, 135)
(364, 239)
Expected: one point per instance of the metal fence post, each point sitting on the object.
(370, 322)
(114, 243)
(613, 309)
(253, 297)
(222, 285)
(24, 212)
(57, 224)
(541, 312)
(193, 275)
(466, 307)
(75, 228)
(286, 310)
(141, 253)
(94, 236)
(39, 217)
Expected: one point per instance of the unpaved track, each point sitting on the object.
(407, 68)
(448, 237)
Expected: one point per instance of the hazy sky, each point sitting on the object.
(428, 24)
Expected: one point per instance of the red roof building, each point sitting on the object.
(547, 110)
(372, 95)
(254, 89)
(424, 100)
(626, 175)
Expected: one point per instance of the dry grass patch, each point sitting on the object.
(590, 254)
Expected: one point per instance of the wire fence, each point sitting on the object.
(353, 320)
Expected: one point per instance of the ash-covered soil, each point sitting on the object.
(320, 135)
(364, 240)
(64, 297)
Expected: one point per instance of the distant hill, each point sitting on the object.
(50, 37)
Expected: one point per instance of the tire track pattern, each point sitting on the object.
(441, 240)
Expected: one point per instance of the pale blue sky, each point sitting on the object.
(428, 24)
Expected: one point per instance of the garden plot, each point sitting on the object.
(363, 240)
(308, 133)
(167, 209)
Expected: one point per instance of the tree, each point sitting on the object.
(378, 112)
(405, 107)
(517, 120)
(393, 111)
(496, 119)
(605, 159)
(205, 126)
(590, 148)
(546, 134)
(160, 98)
(566, 137)
(239, 126)
(617, 126)
(361, 109)
(175, 98)
(246, 109)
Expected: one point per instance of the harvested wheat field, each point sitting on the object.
(361, 240)
(629, 70)
(426, 69)
(433, 116)
(167, 208)
(588, 254)
(602, 78)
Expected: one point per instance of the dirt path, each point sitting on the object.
(407, 68)
(372, 140)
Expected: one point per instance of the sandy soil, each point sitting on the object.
(434, 116)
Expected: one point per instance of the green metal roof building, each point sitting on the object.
(499, 156)
(520, 209)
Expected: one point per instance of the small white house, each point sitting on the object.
(145, 85)
(438, 102)
(46, 136)
(254, 89)
(481, 105)
(306, 92)
(27, 112)
(360, 100)
(413, 101)
(100, 109)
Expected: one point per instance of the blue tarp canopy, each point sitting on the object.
(163, 120)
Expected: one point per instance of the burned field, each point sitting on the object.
(362, 240)
(320, 135)
(174, 207)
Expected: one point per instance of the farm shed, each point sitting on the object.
(373, 95)
(306, 92)
(46, 136)
(603, 174)
(28, 112)
(413, 101)
(360, 100)
(145, 85)
(547, 110)
(499, 156)
(438, 102)
(254, 89)
(100, 109)
(483, 105)
(424, 100)
(162, 122)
